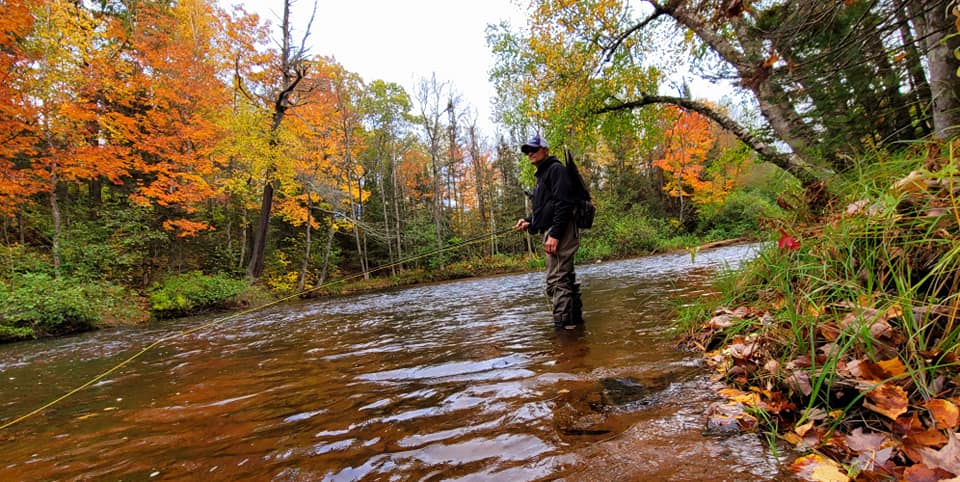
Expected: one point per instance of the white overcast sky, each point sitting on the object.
(403, 41)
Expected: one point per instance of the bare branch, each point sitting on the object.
(657, 12)
(238, 79)
(302, 53)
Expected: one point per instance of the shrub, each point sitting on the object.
(22, 259)
(631, 233)
(739, 215)
(37, 304)
(192, 293)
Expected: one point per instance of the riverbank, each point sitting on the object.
(44, 306)
(842, 341)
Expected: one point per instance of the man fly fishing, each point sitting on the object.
(553, 216)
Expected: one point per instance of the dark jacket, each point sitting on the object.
(553, 199)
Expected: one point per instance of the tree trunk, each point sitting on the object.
(437, 206)
(96, 193)
(943, 68)
(429, 95)
(229, 227)
(384, 205)
(255, 268)
(301, 281)
(55, 213)
(793, 164)
(326, 252)
(919, 88)
(479, 170)
(292, 71)
(397, 198)
(244, 227)
(355, 211)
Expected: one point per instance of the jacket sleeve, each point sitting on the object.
(562, 194)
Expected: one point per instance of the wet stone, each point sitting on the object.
(623, 391)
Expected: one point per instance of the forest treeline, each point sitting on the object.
(182, 152)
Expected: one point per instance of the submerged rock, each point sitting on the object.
(623, 391)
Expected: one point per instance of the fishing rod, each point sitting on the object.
(217, 321)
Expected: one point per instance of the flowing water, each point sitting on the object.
(465, 380)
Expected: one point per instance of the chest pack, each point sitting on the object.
(583, 209)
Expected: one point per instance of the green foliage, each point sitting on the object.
(192, 293)
(37, 304)
(23, 259)
(617, 235)
(113, 246)
(740, 214)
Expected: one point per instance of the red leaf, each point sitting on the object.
(787, 242)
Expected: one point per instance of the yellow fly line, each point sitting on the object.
(217, 321)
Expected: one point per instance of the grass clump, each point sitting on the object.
(843, 337)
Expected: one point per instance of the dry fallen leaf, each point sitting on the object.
(856, 206)
(945, 413)
(881, 330)
(800, 380)
(892, 367)
(915, 182)
(888, 399)
(947, 458)
(817, 468)
(907, 425)
(741, 348)
(866, 370)
(802, 430)
(793, 438)
(874, 459)
(918, 439)
(743, 312)
(748, 399)
(830, 331)
(859, 441)
(720, 321)
(920, 473)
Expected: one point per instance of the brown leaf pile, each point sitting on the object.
(890, 432)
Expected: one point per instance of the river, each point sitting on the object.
(463, 380)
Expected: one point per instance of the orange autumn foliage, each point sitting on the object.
(17, 136)
(687, 143)
(176, 134)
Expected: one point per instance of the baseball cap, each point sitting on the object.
(534, 143)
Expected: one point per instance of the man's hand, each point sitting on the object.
(550, 245)
(521, 225)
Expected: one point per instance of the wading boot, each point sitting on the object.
(576, 315)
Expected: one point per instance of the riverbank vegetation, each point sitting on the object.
(842, 338)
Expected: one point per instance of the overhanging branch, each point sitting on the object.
(788, 162)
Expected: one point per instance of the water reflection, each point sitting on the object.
(466, 380)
